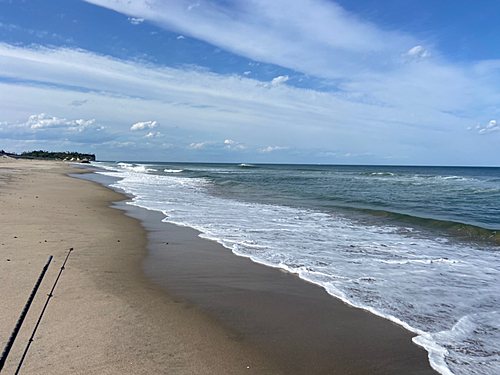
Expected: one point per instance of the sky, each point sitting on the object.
(383, 82)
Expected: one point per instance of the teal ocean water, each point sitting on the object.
(417, 245)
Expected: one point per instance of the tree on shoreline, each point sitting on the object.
(41, 154)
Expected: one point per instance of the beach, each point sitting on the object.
(140, 296)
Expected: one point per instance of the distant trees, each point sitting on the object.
(68, 155)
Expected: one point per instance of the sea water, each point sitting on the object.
(419, 246)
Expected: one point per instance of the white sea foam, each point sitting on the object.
(423, 261)
(131, 167)
(446, 293)
(173, 170)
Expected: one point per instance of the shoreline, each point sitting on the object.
(106, 317)
(233, 315)
(227, 297)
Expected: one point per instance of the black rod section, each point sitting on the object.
(43, 310)
(23, 315)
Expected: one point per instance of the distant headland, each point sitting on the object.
(40, 154)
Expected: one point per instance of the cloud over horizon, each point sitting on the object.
(43, 121)
(299, 113)
(42, 127)
(273, 148)
(324, 84)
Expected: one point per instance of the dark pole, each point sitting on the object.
(23, 315)
(43, 310)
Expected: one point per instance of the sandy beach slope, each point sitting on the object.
(207, 312)
(105, 317)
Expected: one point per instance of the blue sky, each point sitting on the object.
(309, 81)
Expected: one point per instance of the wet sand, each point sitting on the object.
(127, 302)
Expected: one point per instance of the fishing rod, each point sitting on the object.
(41, 314)
(23, 315)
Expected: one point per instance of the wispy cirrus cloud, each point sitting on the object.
(199, 106)
(273, 148)
(319, 41)
(198, 146)
(228, 144)
(363, 61)
(115, 144)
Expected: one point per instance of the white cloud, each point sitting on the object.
(43, 121)
(492, 126)
(144, 125)
(197, 146)
(44, 129)
(118, 144)
(328, 154)
(271, 148)
(135, 21)
(228, 144)
(363, 61)
(81, 125)
(234, 146)
(417, 53)
(277, 81)
(376, 113)
(180, 37)
(248, 72)
(153, 135)
(325, 41)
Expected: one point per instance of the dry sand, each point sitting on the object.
(212, 313)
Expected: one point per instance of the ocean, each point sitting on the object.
(419, 246)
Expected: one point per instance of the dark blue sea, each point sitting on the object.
(417, 245)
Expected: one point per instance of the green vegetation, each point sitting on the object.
(40, 154)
